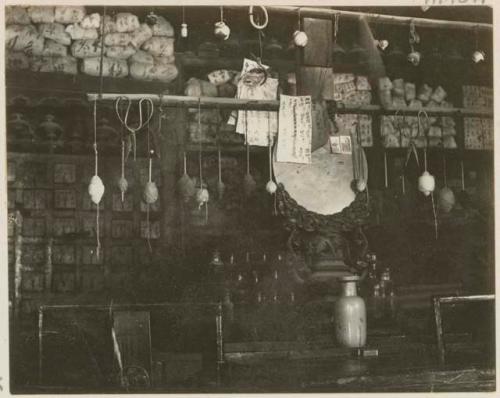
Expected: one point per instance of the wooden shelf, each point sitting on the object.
(191, 61)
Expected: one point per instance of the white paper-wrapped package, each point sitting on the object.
(163, 28)
(17, 61)
(78, 32)
(54, 49)
(56, 32)
(164, 60)
(24, 38)
(200, 88)
(141, 35)
(111, 67)
(142, 57)
(67, 65)
(118, 39)
(16, 15)
(120, 52)
(86, 48)
(13, 31)
(109, 25)
(126, 22)
(92, 21)
(41, 14)
(162, 73)
(69, 14)
(159, 46)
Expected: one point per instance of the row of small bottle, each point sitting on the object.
(259, 281)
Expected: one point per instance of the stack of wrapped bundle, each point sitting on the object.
(156, 60)
(206, 131)
(39, 33)
(400, 131)
(53, 39)
(214, 126)
(350, 89)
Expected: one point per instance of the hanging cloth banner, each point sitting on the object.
(295, 129)
(255, 84)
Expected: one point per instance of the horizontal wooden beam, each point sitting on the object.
(328, 13)
(178, 101)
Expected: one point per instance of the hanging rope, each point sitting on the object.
(252, 21)
(462, 174)
(101, 61)
(97, 233)
(200, 146)
(148, 224)
(386, 180)
(444, 170)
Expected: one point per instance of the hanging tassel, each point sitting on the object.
(202, 195)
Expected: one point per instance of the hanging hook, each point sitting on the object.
(252, 21)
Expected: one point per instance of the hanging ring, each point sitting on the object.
(254, 24)
(150, 110)
(419, 120)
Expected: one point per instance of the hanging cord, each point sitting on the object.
(444, 170)
(299, 22)
(270, 154)
(148, 224)
(200, 147)
(222, 14)
(336, 20)
(386, 181)
(435, 216)
(219, 164)
(462, 174)
(246, 140)
(101, 61)
(97, 233)
(123, 167)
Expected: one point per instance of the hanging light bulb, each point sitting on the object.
(184, 27)
(299, 37)
(478, 55)
(221, 29)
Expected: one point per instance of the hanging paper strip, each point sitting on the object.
(295, 130)
(257, 85)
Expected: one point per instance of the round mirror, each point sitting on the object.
(325, 185)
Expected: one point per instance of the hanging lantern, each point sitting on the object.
(184, 27)
(361, 185)
(271, 187)
(426, 183)
(123, 186)
(184, 30)
(300, 38)
(414, 58)
(221, 29)
(202, 197)
(185, 185)
(150, 194)
(122, 181)
(96, 189)
(446, 199)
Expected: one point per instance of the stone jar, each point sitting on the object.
(350, 315)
